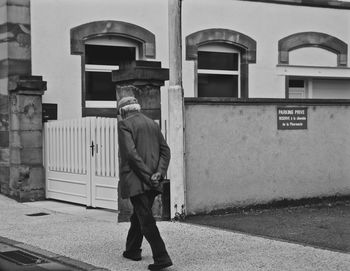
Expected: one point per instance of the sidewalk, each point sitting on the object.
(94, 237)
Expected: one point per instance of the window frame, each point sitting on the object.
(308, 86)
(310, 39)
(104, 41)
(80, 34)
(246, 45)
(218, 48)
(304, 93)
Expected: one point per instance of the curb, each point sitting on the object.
(69, 262)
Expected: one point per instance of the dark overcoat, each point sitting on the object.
(143, 151)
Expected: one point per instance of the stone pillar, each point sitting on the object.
(26, 180)
(176, 111)
(141, 79)
(15, 59)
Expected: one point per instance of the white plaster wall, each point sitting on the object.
(311, 56)
(265, 23)
(336, 89)
(51, 21)
(236, 156)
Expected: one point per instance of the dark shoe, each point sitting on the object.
(134, 256)
(160, 265)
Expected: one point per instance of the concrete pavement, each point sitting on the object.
(94, 237)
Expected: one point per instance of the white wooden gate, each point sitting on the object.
(81, 160)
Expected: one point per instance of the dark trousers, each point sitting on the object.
(144, 224)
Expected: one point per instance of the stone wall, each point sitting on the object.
(21, 170)
(15, 58)
(26, 182)
(4, 144)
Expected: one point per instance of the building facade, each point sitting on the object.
(231, 50)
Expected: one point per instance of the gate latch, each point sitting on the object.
(92, 146)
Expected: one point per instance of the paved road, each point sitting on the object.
(95, 237)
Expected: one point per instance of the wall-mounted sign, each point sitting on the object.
(291, 118)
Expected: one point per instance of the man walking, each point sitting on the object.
(145, 157)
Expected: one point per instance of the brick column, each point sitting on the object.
(15, 59)
(27, 181)
(142, 79)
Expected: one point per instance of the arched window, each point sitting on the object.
(314, 50)
(221, 59)
(104, 46)
(312, 39)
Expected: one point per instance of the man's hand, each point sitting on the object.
(155, 178)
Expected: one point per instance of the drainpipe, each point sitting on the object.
(176, 111)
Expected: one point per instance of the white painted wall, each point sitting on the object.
(51, 21)
(267, 24)
(336, 89)
(311, 56)
(236, 156)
